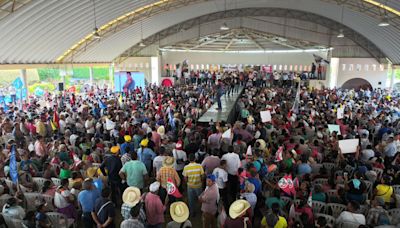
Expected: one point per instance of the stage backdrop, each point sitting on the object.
(121, 80)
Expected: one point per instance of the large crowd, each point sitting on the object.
(140, 159)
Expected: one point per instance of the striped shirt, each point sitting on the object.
(193, 173)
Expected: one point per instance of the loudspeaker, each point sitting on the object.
(60, 86)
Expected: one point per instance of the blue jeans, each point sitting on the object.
(193, 195)
(219, 102)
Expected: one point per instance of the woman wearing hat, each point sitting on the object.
(239, 214)
(179, 213)
(209, 199)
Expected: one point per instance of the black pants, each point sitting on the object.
(87, 220)
(224, 197)
(233, 187)
(116, 191)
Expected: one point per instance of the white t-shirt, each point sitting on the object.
(157, 162)
(221, 176)
(349, 217)
(179, 155)
(232, 162)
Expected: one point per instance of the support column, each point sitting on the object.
(111, 76)
(25, 85)
(62, 75)
(392, 76)
(91, 76)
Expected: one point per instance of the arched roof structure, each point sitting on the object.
(61, 31)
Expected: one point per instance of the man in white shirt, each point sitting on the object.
(221, 177)
(349, 216)
(158, 160)
(233, 163)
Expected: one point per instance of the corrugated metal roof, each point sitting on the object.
(43, 30)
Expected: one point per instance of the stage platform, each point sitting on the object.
(228, 112)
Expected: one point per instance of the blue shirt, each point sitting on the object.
(257, 184)
(127, 145)
(303, 169)
(146, 156)
(87, 199)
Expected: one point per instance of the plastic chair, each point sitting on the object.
(328, 166)
(369, 185)
(297, 202)
(56, 181)
(394, 213)
(287, 200)
(318, 207)
(335, 209)
(12, 222)
(315, 168)
(10, 185)
(30, 198)
(378, 171)
(49, 200)
(39, 181)
(59, 220)
(348, 225)
(329, 219)
(23, 188)
(396, 189)
(3, 200)
(321, 181)
(331, 193)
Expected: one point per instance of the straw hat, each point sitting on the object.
(161, 130)
(238, 207)
(179, 212)
(131, 196)
(128, 138)
(114, 149)
(144, 142)
(91, 171)
(168, 161)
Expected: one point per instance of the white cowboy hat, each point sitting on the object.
(131, 196)
(238, 207)
(179, 212)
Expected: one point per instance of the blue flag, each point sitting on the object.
(13, 166)
(102, 105)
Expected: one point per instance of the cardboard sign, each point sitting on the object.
(340, 113)
(334, 127)
(265, 116)
(348, 146)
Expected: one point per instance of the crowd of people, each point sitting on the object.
(140, 159)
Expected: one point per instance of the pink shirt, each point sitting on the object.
(156, 138)
(154, 209)
(210, 197)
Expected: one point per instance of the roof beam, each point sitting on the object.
(229, 44)
(254, 41)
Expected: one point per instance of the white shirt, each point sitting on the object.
(349, 217)
(157, 162)
(232, 162)
(89, 125)
(221, 176)
(179, 155)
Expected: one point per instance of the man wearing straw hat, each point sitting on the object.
(131, 198)
(113, 165)
(179, 213)
(238, 215)
(166, 172)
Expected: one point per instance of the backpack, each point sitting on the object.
(263, 170)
